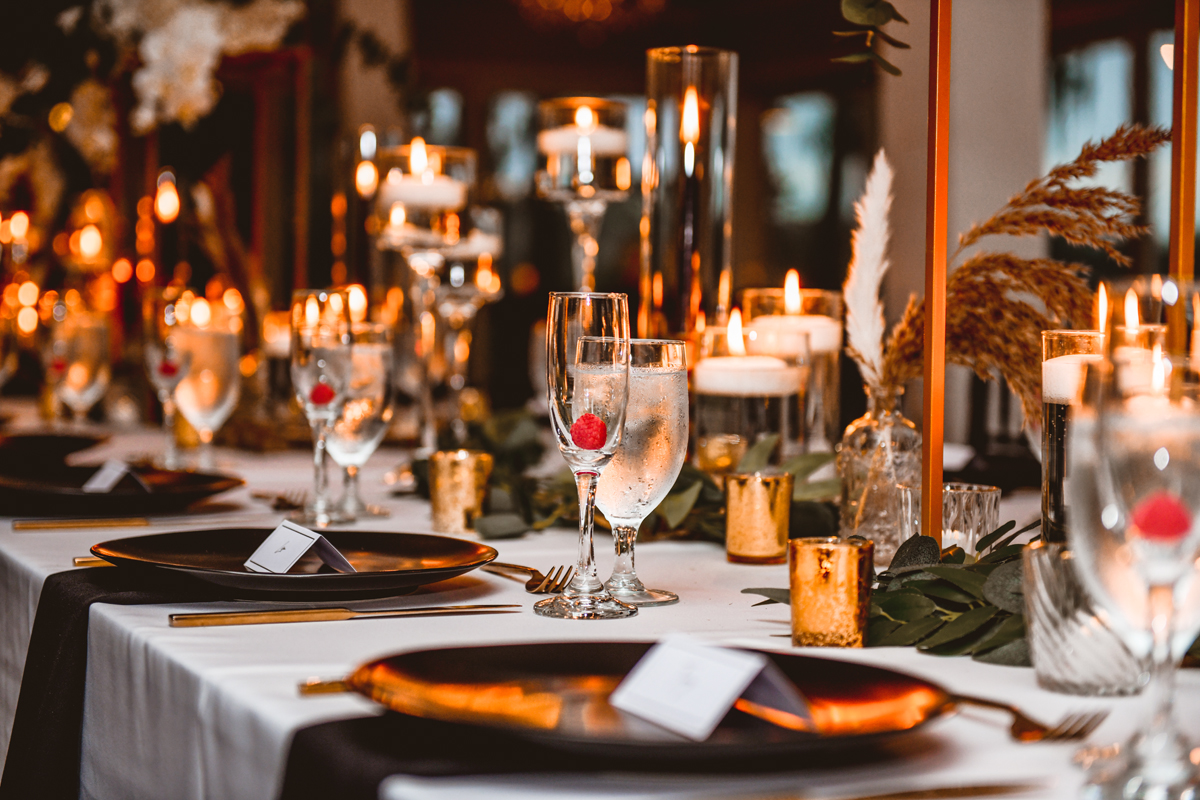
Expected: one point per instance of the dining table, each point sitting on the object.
(216, 712)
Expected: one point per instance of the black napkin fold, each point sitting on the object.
(44, 751)
(349, 758)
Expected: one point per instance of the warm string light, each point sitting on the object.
(791, 292)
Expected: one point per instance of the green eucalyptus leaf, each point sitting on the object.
(675, 507)
(880, 628)
(870, 12)
(965, 579)
(805, 464)
(855, 58)
(942, 591)
(1013, 654)
(893, 41)
(757, 457)
(847, 34)
(955, 555)
(910, 632)
(966, 623)
(987, 541)
(500, 526)
(883, 63)
(809, 518)
(1003, 587)
(1001, 554)
(905, 606)
(816, 490)
(916, 552)
(1010, 629)
(773, 595)
(900, 581)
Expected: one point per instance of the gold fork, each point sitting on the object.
(553, 582)
(1025, 729)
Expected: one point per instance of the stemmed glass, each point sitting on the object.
(166, 363)
(649, 459)
(587, 349)
(208, 339)
(366, 414)
(583, 147)
(1135, 477)
(79, 359)
(321, 369)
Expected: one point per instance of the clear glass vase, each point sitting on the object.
(880, 452)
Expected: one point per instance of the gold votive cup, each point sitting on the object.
(757, 512)
(457, 486)
(831, 590)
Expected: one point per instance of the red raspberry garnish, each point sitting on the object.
(589, 432)
(168, 370)
(321, 394)
(1161, 517)
(58, 364)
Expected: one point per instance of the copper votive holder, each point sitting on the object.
(831, 590)
(757, 512)
(457, 485)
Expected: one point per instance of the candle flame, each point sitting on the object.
(358, 303)
(733, 334)
(418, 159)
(1102, 308)
(1156, 286)
(396, 215)
(201, 313)
(585, 118)
(701, 322)
(366, 179)
(1132, 317)
(312, 312)
(689, 128)
(791, 292)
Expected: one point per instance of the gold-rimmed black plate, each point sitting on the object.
(19, 451)
(557, 693)
(386, 562)
(56, 490)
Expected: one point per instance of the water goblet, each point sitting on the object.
(321, 370)
(366, 413)
(646, 464)
(166, 363)
(587, 348)
(79, 360)
(582, 144)
(1134, 454)
(208, 341)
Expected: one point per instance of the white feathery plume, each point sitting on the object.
(864, 311)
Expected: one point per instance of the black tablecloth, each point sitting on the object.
(348, 759)
(44, 751)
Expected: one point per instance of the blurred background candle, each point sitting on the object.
(1065, 355)
(740, 399)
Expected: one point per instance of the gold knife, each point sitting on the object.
(91, 561)
(208, 619)
(64, 524)
(935, 793)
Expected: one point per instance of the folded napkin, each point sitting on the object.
(44, 751)
(353, 759)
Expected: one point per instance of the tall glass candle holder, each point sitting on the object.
(740, 399)
(1065, 355)
(687, 191)
(777, 320)
(582, 147)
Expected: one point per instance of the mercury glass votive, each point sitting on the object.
(830, 582)
(757, 513)
(457, 485)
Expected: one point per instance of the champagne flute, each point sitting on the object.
(1135, 476)
(80, 360)
(587, 349)
(320, 377)
(646, 464)
(166, 363)
(208, 341)
(367, 412)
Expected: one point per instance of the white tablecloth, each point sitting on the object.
(209, 712)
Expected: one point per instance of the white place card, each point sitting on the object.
(105, 479)
(688, 687)
(285, 546)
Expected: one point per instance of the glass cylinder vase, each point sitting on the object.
(880, 453)
(687, 191)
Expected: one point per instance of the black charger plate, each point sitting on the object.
(556, 694)
(19, 451)
(386, 562)
(56, 490)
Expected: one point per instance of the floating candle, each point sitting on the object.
(783, 335)
(425, 188)
(740, 375)
(1062, 377)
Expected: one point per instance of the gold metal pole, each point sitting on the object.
(936, 190)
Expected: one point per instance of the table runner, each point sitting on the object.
(349, 759)
(44, 749)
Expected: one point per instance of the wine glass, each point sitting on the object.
(646, 464)
(582, 144)
(208, 340)
(79, 359)
(166, 364)
(1135, 481)
(321, 370)
(366, 414)
(587, 348)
